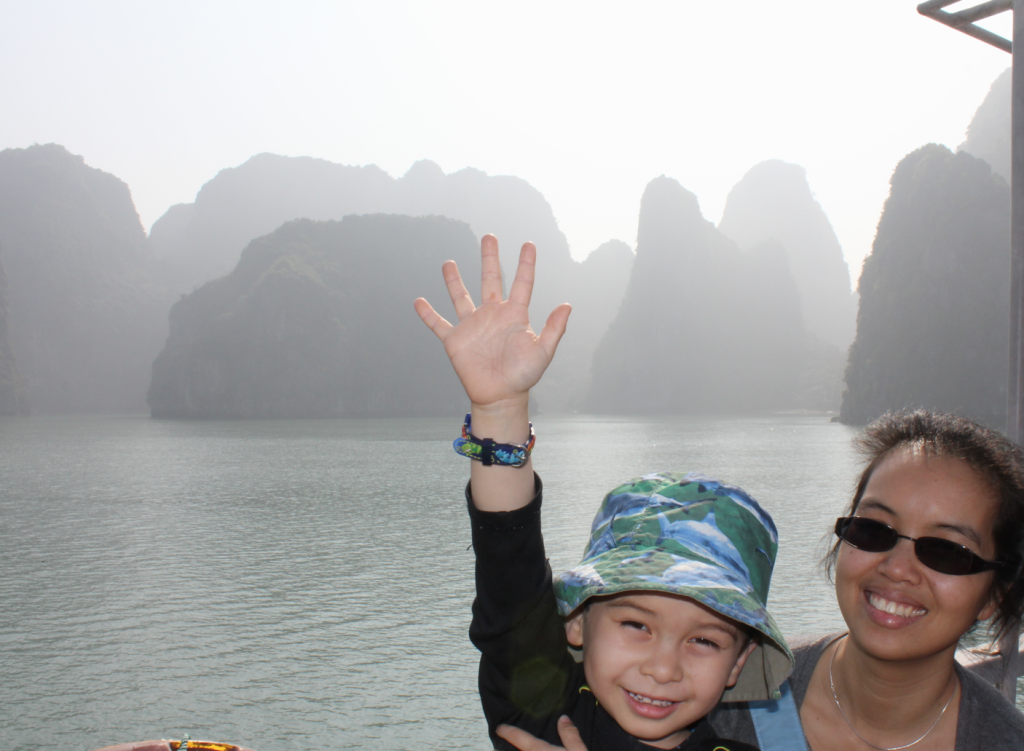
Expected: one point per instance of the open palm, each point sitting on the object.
(495, 353)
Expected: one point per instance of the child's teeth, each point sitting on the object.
(894, 608)
(648, 700)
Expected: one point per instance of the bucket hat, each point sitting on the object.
(689, 535)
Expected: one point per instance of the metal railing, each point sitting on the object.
(964, 20)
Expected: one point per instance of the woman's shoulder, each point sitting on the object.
(987, 719)
(807, 650)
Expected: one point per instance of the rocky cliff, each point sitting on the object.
(86, 315)
(595, 290)
(774, 202)
(316, 320)
(13, 399)
(933, 325)
(988, 135)
(704, 327)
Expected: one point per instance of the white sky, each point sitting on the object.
(587, 101)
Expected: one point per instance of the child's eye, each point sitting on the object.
(634, 624)
(700, 640)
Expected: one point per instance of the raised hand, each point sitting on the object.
(495, 353)
(522, 740)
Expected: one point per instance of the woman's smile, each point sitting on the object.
(895, 612)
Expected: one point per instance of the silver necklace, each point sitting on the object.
(880, 748)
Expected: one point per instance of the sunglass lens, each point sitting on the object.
(943, 556)
(867, 534)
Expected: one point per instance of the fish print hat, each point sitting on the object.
(689, 535)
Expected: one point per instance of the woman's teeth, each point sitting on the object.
(649, 700)
(894, 608)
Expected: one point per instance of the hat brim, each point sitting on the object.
(715, 586)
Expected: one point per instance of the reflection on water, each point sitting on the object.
(306, 584)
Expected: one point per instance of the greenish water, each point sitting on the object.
(307, 584)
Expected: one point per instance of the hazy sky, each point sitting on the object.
(587, 101)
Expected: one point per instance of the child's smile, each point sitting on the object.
(655, 709)
(648, 700)
(657, 662)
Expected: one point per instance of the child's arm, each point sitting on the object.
(516, 625)
(498, 358)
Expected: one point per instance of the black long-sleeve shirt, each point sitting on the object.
(527, 676)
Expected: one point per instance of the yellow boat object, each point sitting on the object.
(174, 746)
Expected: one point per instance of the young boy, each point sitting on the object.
(668, 603)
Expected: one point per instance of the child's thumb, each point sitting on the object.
(570, 735)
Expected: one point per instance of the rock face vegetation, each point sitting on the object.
(316, 320)
(13, 399)
(988, 135)
(933, 326)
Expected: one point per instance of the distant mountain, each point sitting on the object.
(774, 202)
(316, 320)
(200, 241)
(933, 325)
(600, 287)
(988, 135)
(13, 399)
(596, 290)
(704, 327)
(85, 313)
(203, 240)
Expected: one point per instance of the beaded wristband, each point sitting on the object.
(488, 452)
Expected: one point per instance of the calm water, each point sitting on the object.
(307, 584)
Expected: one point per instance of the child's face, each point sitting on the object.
(657, 662)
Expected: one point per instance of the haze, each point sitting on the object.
(586, 101)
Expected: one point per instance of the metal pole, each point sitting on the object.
(1015, 391)
(1009, 644)
(1001, 663)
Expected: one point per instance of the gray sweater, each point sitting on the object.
(987, 721)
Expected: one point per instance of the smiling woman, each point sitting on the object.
(931, 544)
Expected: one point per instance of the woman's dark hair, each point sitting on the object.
(997, 460)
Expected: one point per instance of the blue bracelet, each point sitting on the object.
(488, 452)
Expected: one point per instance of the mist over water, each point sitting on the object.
(307, 584)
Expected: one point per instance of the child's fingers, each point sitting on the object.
(570, 735)
(552, 332)
(490, 270)
(522, 285)
(457, 290)
(523, 740)
(429, 316)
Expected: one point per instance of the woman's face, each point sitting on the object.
(896, 607)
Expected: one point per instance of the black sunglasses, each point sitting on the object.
(944, 556)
